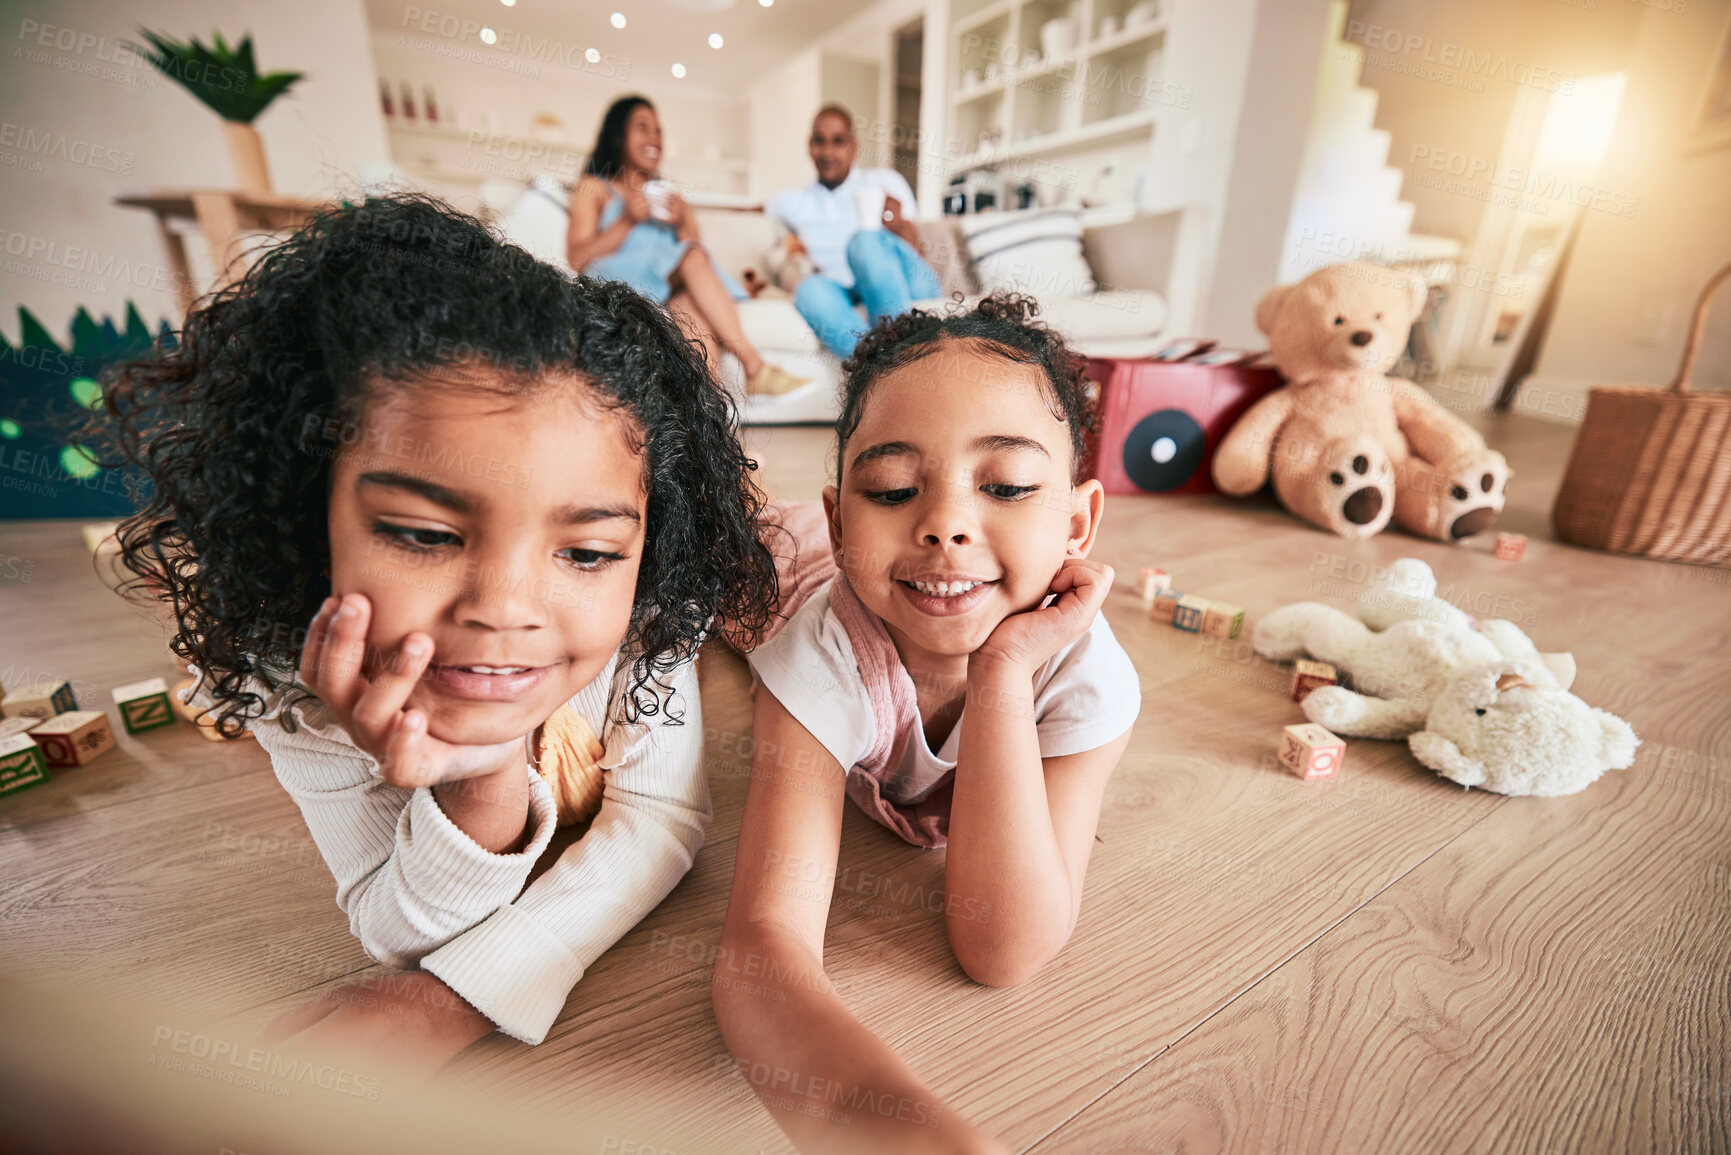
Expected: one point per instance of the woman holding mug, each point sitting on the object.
(627, 224)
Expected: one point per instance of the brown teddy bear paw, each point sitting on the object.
(1450, 504)
(1350, 490)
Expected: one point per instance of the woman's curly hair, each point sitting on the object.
(1005, 324)
(232, 425)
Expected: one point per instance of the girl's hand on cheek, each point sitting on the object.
(1025, 641)
(374, 710)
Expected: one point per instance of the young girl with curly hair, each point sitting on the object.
(432, 517)
(955, 678)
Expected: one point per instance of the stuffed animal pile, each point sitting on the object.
(1475, 700)
(1349, 448)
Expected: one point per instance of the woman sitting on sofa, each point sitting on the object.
(629, 225)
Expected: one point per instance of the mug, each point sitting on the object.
(1144, 13)
(868, 203)
(658, 192)
(1109, 26)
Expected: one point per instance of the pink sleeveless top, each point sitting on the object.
(805, 563)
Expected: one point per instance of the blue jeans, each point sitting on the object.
(888, 276)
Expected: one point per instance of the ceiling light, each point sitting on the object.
(592, 55)
(509, 3)
(488, 36)
(679, 72)
(765, 3)
(715, 40)
(618, 19)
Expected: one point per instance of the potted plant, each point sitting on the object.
(228, 80)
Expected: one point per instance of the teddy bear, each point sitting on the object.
(1475, 700)
(1348, 447)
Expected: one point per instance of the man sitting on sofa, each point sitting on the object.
(878, 267)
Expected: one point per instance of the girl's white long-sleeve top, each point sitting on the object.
(418, 890)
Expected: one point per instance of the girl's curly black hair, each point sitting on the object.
(232, 426)
(1006, 325)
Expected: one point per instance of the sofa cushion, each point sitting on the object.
(1106, 315)
(1036, 251)
(539, 220)
(1112, 315)
(946, 251)
(773, 323)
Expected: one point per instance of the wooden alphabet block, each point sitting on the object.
(21, 763)
(1223, 619)
(206, 723)
(24, 725)
(1189, 613)
(1164, 605)
(144, 705)
(40, 700)
(74, 738)
(1153, 581)
(1309, 751)
(1510, 546)
(1308, 675)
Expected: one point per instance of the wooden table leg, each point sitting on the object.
(220, 221)
(175, 245)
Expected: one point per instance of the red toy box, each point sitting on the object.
(1160, 421)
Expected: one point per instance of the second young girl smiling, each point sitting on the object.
(961, 532)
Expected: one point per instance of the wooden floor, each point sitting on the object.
(1380, 963)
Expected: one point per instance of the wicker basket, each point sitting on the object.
(1651, 469)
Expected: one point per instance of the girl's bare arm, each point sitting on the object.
(1021, 833)
(1022, 827)
(831, 1084)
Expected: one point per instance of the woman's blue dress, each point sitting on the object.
(652, 250)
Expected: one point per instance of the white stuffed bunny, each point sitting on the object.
(1475, 700)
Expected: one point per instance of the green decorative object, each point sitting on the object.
(47, 392)
(229, 82)
(78, 462)
(86, 392)
(226, 79)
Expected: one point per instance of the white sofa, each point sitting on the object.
(1148, 284)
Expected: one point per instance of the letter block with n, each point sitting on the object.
(144, 705)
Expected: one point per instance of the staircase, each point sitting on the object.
(1347, 205)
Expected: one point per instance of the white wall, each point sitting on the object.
(701, 128)
(1263, 60)
(848, 64)
(82, 97)
(1631, 284)
(781, 107)
(1442, 129)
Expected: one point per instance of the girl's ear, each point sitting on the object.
(1090, 503)
(832, 515)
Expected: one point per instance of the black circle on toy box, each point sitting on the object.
(1164, 449)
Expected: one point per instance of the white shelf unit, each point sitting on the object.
(1105, 90)
(457, 162)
